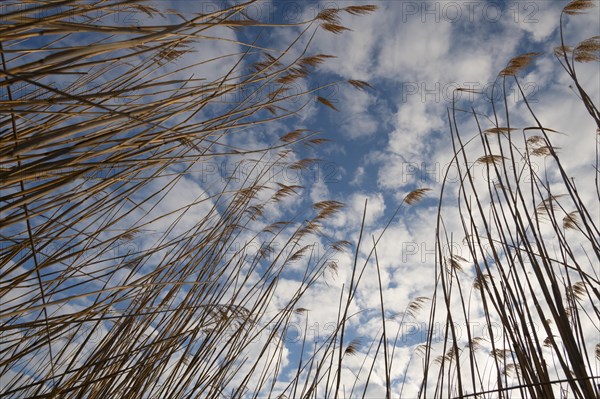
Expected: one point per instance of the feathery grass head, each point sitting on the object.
(577, 7)
(326, 102)
(518, 63)
(588, 50)
(490, 159)
(360, 10)
(359, 84)
(416, 195)
(570, 221)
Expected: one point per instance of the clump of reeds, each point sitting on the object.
(534, 249)
(104, 293)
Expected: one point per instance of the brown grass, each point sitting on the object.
(103, 117)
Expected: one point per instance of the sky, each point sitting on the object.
(386, 141)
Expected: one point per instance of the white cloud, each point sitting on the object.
(540, 20)
(319, 191)
(359, 177)
(351, 217)
(358, 119)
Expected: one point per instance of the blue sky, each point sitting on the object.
(386, 141)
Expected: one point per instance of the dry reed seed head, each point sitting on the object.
(268, 63)
(498, 185)
(469, 90)
(172, 52)
(588, 50)
(255, 211)
(313, 226)
(286, 190)
(511, 369)
(577, 290)
(276, 227)
(360, 84)
(341, 246)
(300, 253)
(480, 282)
(360, 10)
(333, 266)
(278, 92)
(416, 195)
(248, 193)
(459, 258)
(329, 15)
(598, 351)
(450, 355)
(548, 205)
(265, 251)
(543, 151)
(273, 109)
(585, 57)
(303, 163)
(293, 135)
(490, 159)
(327, 208)
(326, 102)
(271, 59)
(334, 28)
(577, 7)
(571, 220)
(500, 354)
(310, 227)
(499, 130)
(453, 265)
(569, 311)
(129, 235)
(292, 74)
(150, 11)
(475, 343)
(562, 51)
(534, 140)
(284, 153)
(314, 60)
(328, 204)
(548, 341)
(353, 346)
(518, 63)
(416, 305)
(315, 141)
(422, 349)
